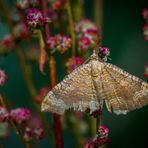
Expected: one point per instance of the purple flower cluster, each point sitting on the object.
(73, 62)
(30, 133)
(3, 77)
(59, 42)
(100, 139)
(87, 34)
(20, 115)
(22, 118)
(145, 28)
(35, 18)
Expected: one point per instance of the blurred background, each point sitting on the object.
(121, 24)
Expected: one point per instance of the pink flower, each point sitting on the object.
(103, 131)
(87, 34)
(21, 30)
(7, 42)
(145, 13)
(28, 134)
(100, 139)
(59, 42)
(84, 43)
(146, 71)
(145, 31)
(20, 115)
(85, 25)
(3, 77)
(23, 4)
(39, 133)
(36, 18)
(51, 43)
(4, 115)
(73, 63)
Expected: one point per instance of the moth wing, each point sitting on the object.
(75, 91)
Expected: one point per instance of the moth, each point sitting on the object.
(93, 83)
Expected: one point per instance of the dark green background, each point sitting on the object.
(123, 34)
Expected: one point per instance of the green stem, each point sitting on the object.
(73, 125)
(71, 27)
(26, 72)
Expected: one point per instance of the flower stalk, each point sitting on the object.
(71, 27)
(56, 117)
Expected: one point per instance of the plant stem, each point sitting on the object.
(44, 10)
(17, 131)
(71, 27)
(26, 72)
(56, 117)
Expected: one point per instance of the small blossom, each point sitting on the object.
(39, 133)
(100, 139)
(28, 134)
(23, 4)
(87, 34)
(145, 13)
(21, 30)
(146, 71)
(145, 32)
(4, 115)
(85, 25)
(3, 77)
(72, 63)
(35, 18)
(59, 42)
(52, 43)
(41, 94)
(7, 42)
(103, 131)
(103, 53)
(20, 115)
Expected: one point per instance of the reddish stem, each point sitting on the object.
(44, 10)
(57, 119)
